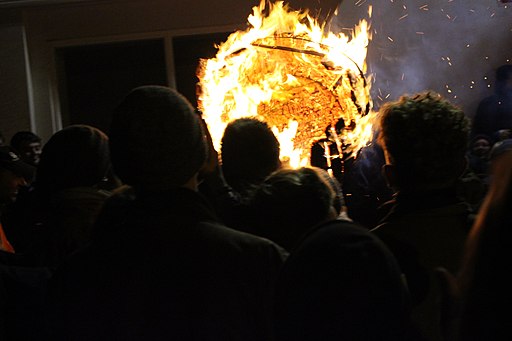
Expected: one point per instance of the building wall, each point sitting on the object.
(14, 104)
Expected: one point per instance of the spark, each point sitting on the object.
(402, 17)
(424, 7)
(493, 14)
(390, 39)
(380, 98)
(467, 45)
(403, 76)
(472, 10)
(421, 33)
(387, 96)
(360, 2)
(405, 7)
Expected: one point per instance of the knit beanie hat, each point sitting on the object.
(156, 139)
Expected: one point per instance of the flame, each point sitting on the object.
(289, 72)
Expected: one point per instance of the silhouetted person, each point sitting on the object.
(327, 152)
(161, 266)
(477, 299)
(290, 202)
(13, 174)
(494, 113)
(486, 296)
(364, 187)
(473, 184)
(342, 283)
(249, 153)
(56, 216)
(425, 139)
(21, 288)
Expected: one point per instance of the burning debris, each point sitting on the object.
(287, 71)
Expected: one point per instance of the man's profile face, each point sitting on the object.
(30, 152)
(9, 185)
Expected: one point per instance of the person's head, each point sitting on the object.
(76, 156)
(425, 139)
(156, 140)
(13, 174)
(500, 148)
(28, 146)
(480, 146)
(289, 202)
(504, 78)
(249, 152)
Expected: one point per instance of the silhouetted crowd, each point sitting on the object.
(150, 233)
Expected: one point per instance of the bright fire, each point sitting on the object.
(287, 71)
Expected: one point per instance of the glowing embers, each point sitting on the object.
(287, 71)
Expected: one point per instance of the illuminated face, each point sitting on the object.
(481, 147)
(9, 185)
(30, 152)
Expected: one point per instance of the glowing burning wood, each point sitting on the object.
(287, 71)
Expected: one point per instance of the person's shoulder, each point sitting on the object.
(335, 233)
(242, 241)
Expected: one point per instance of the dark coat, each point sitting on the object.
(493, 113)
(162, 267)
(341, 283)
(426, 231)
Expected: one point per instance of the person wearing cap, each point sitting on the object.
(13, 175)
(161, 266)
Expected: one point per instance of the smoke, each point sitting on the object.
(449, 46)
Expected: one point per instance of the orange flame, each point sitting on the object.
(287, 71)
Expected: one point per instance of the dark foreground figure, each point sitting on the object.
(160, 266)
(342, 283)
